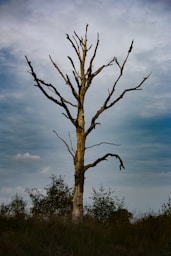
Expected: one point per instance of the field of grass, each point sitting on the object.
(31, 236)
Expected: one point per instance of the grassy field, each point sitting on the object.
(148, 236)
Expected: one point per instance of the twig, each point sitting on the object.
(98, 144)
(66, 144)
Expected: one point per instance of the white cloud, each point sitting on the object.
(11, 96)
(8, 193)
(26, 156)
(46, 170)
(165, 174)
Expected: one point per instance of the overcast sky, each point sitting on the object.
(141, 122)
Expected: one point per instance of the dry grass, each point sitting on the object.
(149, 236)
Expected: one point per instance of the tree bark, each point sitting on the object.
(77, 213)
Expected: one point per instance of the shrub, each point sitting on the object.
(16, 208)
(166, 208)
(104, 203)
(57, 200)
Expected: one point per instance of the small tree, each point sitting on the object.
(38, 207)
(83, 76)
(120, 216)
(57, 200)
(59, 197)
(16, 208)
(166, 208)
(4, 210)
(104, 203)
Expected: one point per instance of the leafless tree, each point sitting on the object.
(82, 81)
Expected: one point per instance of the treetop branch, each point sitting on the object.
(138, 87)
(66, 79)
(73, 45)
(107, 104)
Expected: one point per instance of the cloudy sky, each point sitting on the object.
(141, 122)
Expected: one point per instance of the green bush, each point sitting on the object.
(16, 208)
(57, 200)
(104, 204)
(166, 208)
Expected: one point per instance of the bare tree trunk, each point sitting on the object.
(77, 213)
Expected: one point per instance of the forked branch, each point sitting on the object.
(138, 87)
(108, 103)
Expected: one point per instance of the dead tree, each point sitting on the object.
(82, 81)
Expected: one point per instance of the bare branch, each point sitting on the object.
(93, 120)
(128, 90)
(106, 103)
(89, 69)
(121, 67)
(72, 63)
(81, 43)
(66, 144)
(66, 79)
(76, 76)
(65, 115)
(116, 60)
(86, 31)
(98, 144)
(92, 75)
(72, 88)
(89, 47)
(105, 106)
(38, 84)
(58, 69)
(69, 135)
(121, 166)
(54, 90)
(129, 51)
(78, 47)
(95, 51)
(73, 45)
(102, 67)
(62, 101)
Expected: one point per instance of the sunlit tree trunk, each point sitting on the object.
(77, 213)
